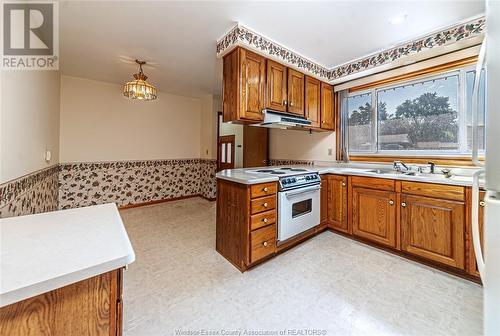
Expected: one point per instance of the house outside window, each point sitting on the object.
(427, 116)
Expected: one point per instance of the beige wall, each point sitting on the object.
(99, 124)
(29, 121)
(237, 131)
(208, 136)
(301, 145)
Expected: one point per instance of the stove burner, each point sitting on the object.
(277, 173)
(265, 171)
(297, 169)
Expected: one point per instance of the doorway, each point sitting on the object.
(225, 152)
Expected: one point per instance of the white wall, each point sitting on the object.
(301, 145)
(29, 121)
(237, 131)
(99, 124)
(208, 136)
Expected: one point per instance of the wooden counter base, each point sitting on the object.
(91, 307)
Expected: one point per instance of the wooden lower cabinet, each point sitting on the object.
(433, 229)
(324, 200)
(337, 203)
(246, 229)
(90, 307)
(472, 264)
(374, 215)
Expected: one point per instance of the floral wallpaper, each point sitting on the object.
(133, 182)
(240, 35)
(33, 193)
(122, 182)
(280, 162)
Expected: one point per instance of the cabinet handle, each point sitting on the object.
(264, 220)
(482, 203)
(265, 204)
(265, 244)
(323, 122)
(391, 202)
(343, 184)
(291, 103)
(403, 204)
(265, 189)
(284, 102)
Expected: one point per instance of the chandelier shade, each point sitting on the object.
(140, 89)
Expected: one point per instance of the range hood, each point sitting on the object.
(275, 119)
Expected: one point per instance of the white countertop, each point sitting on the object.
(461, 176)
(43, 252)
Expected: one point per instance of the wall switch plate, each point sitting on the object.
(48, 155)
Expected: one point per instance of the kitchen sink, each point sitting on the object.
(383, 171)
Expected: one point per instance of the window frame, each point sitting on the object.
(461, 152)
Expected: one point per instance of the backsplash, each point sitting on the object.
(133, 182)
(74, 185)
(280, 162)
(34, 193)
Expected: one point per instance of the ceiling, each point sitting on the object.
(100, 40)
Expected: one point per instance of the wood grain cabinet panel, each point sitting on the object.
(337, 203)
(324, 199)
(262, 242)
(433, 229)
(262, 204)
(89, 307)
(264, 189)
(262, 219)
(327, 107)
(276, 86)
(312, 108)
(244, 78)
(295, 92)
(441, 191)
(374, 215)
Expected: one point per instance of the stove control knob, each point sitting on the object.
(284, 182)
(294, 180)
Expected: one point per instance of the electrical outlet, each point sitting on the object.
(330, 151)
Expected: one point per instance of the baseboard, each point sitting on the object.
(137, 205)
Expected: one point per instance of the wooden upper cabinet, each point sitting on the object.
(327, 107)
(312, 107)
(337, 202)
(434, 229)
(295, 92)
(276, 86)
(243, 86)
(374, 215)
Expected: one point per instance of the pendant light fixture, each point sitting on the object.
(139, 88)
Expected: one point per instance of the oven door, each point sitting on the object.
(298, 211)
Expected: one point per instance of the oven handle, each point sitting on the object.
(303, 191)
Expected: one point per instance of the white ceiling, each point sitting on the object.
(99, 40)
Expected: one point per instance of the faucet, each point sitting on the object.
(400, 166)
(432, 166)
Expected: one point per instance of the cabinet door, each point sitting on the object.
(327, 107)
(312, 101)
(276, 86)
(374, 215)
(433, 229)
(253, 69)
(324, 200)
(295, 92)
(337, 202)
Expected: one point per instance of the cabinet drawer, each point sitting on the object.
(373, 183)
(262, 243)
(264, 189)
(442, 191)
(262, 219)
(263, 204)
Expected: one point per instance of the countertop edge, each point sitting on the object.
(20, 294)
(338, 171)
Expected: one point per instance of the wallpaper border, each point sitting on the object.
(242, 36)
